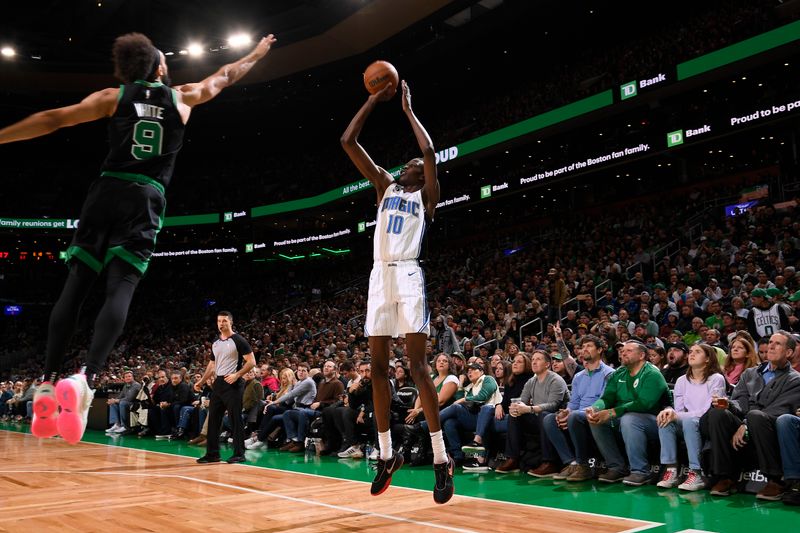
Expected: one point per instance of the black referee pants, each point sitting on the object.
(225, 397)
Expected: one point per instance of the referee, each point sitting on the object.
(231, 358)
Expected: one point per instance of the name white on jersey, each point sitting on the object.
(401, 225)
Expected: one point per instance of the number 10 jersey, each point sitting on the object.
(401, 225)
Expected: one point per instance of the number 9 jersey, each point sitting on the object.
(124, 209)
(145, 134)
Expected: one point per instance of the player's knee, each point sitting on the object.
(418, 371)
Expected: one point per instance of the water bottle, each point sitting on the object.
(368, 449)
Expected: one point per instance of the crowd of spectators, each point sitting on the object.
(519, 342)
(543, 358)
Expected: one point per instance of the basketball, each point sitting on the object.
(378, 74)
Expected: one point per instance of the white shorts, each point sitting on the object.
(397, 304)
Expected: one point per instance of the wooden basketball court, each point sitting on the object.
(50, 485)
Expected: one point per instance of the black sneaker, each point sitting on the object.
(637, 479)
(236, 459)
(612, 475)
(208, 459)
(473, 448)
(792, 494)
(443, 490)
(383, 477)
(473, 465)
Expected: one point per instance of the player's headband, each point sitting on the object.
(156, 62)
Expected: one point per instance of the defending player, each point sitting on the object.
(123, 211)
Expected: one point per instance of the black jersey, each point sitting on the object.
(145, 134)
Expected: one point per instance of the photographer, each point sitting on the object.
(158, 419)
(171, 398)
(201, 403)
(356, 409)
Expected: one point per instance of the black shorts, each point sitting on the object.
(118, 219)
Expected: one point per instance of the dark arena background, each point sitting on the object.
(627, 170)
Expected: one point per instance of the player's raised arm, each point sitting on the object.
(378, 177)
(95, 106)
(431, 187)
(193, 94)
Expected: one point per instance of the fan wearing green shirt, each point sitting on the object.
(633, 396)
(714, 319)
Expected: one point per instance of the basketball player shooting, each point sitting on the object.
(397, 306)
(123, 212)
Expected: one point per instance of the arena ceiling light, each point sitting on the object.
(194, 50)
(239, 40)
(7, 51)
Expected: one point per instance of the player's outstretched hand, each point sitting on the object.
(406, 96)
(264, 46)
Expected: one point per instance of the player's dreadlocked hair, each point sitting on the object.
(135, 58)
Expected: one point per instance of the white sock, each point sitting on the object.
(439, 452)
(385, 445)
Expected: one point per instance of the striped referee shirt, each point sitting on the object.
(228, 354)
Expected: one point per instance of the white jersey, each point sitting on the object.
(400, 225)
(767, 321)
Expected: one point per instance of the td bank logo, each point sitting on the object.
(628, 90)
(486, 191)
(227, 217)
(362, 227)
(674, 138)
(248, 248)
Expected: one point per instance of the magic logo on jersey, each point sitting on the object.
(396, 203)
